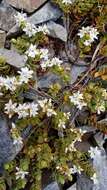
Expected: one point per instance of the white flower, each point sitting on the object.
(11, 83)
(67, 1)
(61, 124)
(101, 107)
(32, 51)
(33, 109)
(10, 108)
(20, 18)
(13, 126)
(30, 29)
(22, 110)
(87, 42)
(90, 33)
(43, 103)
(25, 74)
(18, 141)
(44, 54)
(94, 152)
(76, 169)
(50, 112)
(83, 31)
(20, 173)
(56, 61)
(46, 106)
(78, 100)
(43, 29)
(50, 63)
(67, 115)
(45, 64)
(94, 178)
(93, 34)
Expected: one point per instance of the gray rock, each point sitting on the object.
(83, 146)
(13, 31)
(73, 187)
(8, 151)
(7, 20)
(47, 80)
(89, 131)
(57, 31)
(99, 137)
(76, 71)
(100, 165)
(13, 58)
(2, 38)
(52, 186)
(6, 145)
(28, 5)
(46, 13)
(84, 183)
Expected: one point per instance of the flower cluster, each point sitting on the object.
(23, 110)
(29, 29)
(78, 100)
(11, 83)
(44, 56)
(47, 107)
(33, 51)
(88, 34)
(29, 109)
(20, 18)
(50, 63)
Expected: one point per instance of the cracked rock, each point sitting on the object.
(28, 5)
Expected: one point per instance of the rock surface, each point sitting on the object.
(84, 183)
(47, 80)
(52, 186)
(46, 13)
(6, 145)
(76, 72)
(28, 5)
(8, 151)
(57, 31)
(13, 58)
(7, 20)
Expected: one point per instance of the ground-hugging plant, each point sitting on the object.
(51, 143)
